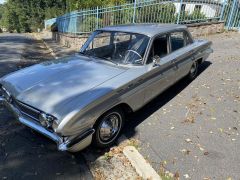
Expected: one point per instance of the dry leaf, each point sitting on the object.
(186, 176)
(206, 153)
(188, 140)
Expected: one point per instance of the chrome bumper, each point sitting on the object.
(72, 144)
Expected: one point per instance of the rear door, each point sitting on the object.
(182, 52)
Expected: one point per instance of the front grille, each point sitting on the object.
(27, 110)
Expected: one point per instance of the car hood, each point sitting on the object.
(51, 85)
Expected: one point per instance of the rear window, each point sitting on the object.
(177, 40)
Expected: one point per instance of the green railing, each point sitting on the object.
(151, 11)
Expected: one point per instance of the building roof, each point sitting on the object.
(147, 29)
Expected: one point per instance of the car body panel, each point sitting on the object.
(44, 85)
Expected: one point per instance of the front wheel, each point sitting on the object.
(193, 71)
(108, 127)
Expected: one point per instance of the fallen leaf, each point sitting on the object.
(188, 140)
(220, 129)
(186, 176)
(176, 175)
(206, 153)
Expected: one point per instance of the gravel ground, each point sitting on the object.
(192, 129)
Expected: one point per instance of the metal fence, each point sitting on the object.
(152, 11)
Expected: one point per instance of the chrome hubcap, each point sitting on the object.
(109, 127)
(193, 68)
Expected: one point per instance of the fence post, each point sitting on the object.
(134, 10)
(179, 11)
(231, 14)
(239, 25)
(222, 11)
(76, 19)
(97, 24)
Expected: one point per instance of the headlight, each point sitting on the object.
(46, 120)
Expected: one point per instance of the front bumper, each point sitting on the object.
(72, 144)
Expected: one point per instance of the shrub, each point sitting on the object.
(161, 13)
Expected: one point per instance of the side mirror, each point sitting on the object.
(156, 61)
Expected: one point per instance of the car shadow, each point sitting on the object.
(142, 114)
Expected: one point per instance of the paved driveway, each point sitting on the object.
(24, 154)
(193, 128)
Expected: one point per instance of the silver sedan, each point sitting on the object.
(83, 99)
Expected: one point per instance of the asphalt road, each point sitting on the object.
(193, 128)
(24, 154)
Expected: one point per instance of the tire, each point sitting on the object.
(193, 71)
(108, 128)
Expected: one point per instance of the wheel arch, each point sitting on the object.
(126, 109)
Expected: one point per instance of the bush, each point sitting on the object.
(196, 15)
(161, 13)
(54, 27)
(89, 24)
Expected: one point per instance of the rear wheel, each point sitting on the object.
(108, 127)
(193, 71)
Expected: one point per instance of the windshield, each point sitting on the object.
(116, 47)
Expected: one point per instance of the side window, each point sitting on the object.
(159, 48)
(177, 40)
(101, 40)
(188, 38)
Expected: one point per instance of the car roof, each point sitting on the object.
(146, 29)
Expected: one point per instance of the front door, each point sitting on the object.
(162, 75)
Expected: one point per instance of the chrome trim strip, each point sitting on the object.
(5, 91)
(29, 107)
(1, 100)
(29, 115)
(40, 129)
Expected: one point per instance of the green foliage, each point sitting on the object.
(196, 15)
(161, 13)
(89, 23)
(27, 16)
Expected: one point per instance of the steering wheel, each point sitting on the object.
(136, 61)
(130, 50)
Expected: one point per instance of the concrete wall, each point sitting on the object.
(204, 29)
(76, 41)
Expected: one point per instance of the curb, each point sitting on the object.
(143, 168)
(50, 49)
(46, 45)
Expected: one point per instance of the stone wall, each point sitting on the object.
(204, 29)
(198, 29)
(72, 41)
